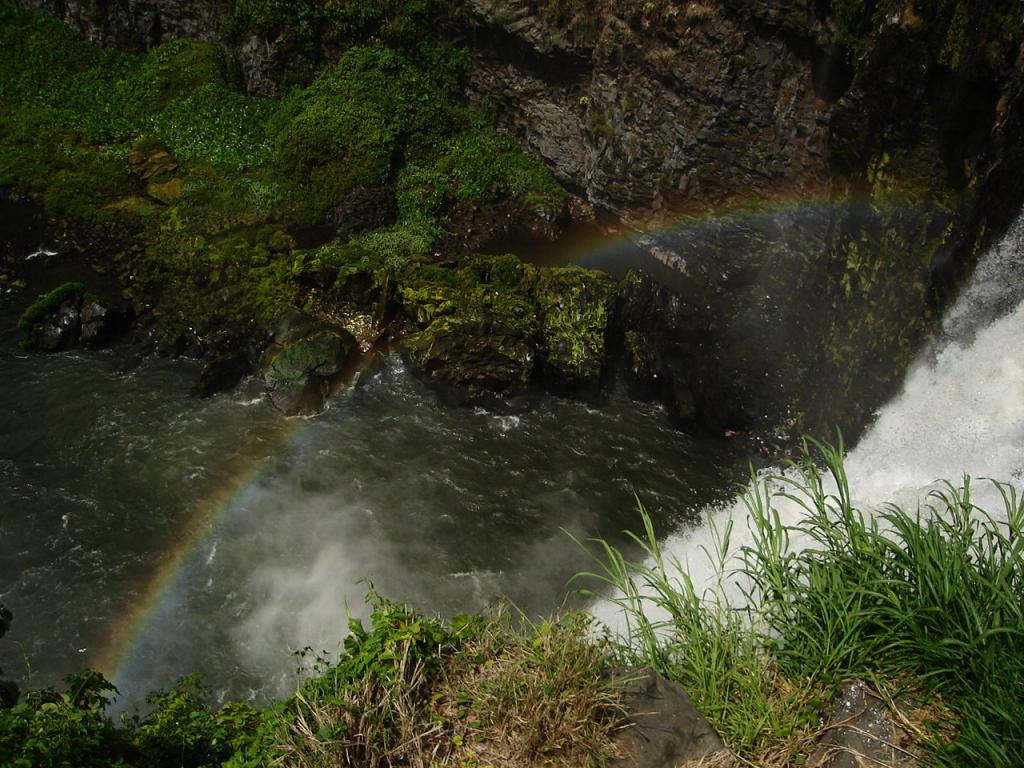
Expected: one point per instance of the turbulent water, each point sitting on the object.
(960, 412)
(156, 535)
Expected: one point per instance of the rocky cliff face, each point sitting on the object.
(137, 23)
(646, 110)
(881, 143)
(878, 140)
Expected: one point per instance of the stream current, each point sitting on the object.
(218, 537)
(153, 535)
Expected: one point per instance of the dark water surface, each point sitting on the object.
(154, 535)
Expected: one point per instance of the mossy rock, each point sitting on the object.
(54, 320)
(167, 192)
(499, 286)
(478, 339)
(576, 306)
(300, 368)
(482, 361)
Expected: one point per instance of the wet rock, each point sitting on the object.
(861, 732)
(100, 324)
(665, 729)
(58, 331)
(575, 307)
(474, 361)
(53, 322)
(221, 374)
(300, 368)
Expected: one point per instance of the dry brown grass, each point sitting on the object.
(533, 699)
(512, 696)
(376, 725)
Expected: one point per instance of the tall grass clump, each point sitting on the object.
(932, 597)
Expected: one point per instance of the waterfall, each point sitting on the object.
(960, 412)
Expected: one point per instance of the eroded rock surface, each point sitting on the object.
(644, 109)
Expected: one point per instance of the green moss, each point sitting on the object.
(75, 121)
(47, 303)
(575, 307)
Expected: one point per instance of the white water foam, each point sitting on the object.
(960, 412)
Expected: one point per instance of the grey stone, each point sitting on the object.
(665, 729)
(860, 733)
(60, 330)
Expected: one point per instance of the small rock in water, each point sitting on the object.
(299, 366)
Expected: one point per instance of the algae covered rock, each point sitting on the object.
(300, 368)
(474, 360)
(476, 328)
(67, 316)
(487, 326)
(575, 307)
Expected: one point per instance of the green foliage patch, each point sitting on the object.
(406, 690)
(165, 143)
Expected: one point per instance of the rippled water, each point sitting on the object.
(153, 534)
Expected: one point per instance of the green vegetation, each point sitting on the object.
(959, 33)
(208, 180)
(406, 691)
(47, 303)
(929, 601)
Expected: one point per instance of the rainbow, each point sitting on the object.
(245, 467)
(169, 575)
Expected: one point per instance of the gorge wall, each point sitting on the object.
(842, 161)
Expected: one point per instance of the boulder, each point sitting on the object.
(861, 732)
(474, 361)
(53, 321)
(59, 330)
(304, 363)
(665, 730)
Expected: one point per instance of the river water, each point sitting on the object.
(152, 534)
